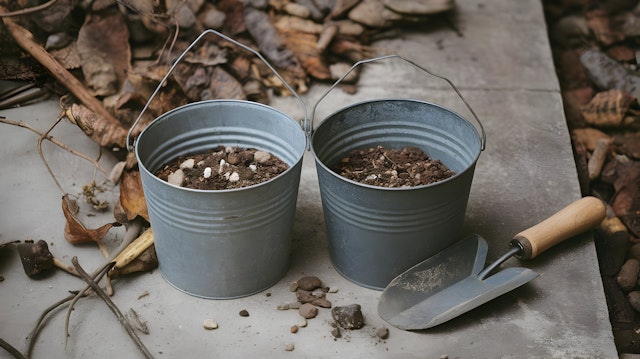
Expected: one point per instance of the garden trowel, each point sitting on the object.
(455, 281)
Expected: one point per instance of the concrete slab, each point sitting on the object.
(501, 61)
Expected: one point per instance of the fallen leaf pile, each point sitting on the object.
(121, 50)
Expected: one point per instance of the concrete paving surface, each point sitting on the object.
(500, 59)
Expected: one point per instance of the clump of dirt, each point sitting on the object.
(222, 168)
(383, 167)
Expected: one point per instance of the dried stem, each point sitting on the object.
(132, 232)
(55, 141)
(29, 10)
(40, 139)
(121, 318)
(25, 39)
(11, 349)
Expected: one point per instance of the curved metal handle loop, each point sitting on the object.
(484, 135)
(305, 123)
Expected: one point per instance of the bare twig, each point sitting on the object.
(121, 318)
(24, 38)
(133, 229)
(29, 10)
(42, 137)
(55, 141)
(11, 349)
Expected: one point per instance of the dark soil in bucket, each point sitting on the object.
(222, 168)
(383, 167)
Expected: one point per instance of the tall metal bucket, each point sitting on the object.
(376, 233)
(225, 243)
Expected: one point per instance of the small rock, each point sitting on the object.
(294, 329)
(234, 177)
(302, 323)
(304, 296)
(348, 317)
(309, 283)
(244, 313)
(283, 307)
(207, 172)
(336, 332)
(322, 303)
(333, 290)
(308, 311)
(294, 305)
(382, 332)
(289, 347)
(176, 178)
(293, 286)
(190, 163)
(210, 324)
(261, 156)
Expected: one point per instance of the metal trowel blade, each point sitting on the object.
(446, 286)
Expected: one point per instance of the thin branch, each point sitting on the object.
(40, 139)
(133, 229)
(29, 10)
(11, 349)
(121, 318)
(55, 141)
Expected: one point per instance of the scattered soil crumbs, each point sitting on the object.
(222, 168)
(392, 168)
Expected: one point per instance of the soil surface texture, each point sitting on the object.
(392, 168)
(222, 168)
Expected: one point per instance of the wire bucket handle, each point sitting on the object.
(305, 122)
(483, 135)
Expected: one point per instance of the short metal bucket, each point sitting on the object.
(221, 244)
(376, 233)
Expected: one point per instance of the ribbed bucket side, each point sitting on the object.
(376, 233)
(227, 243)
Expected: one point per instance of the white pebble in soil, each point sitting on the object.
(261, 156)
(188, 163)
(234, 177)
(207, 172)
(253, 168)
(176, 178)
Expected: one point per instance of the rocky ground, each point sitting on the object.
(596, 50)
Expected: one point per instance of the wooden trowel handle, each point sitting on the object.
(580, 216)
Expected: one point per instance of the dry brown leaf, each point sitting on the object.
(74, 231)
(588, 137)
(103, 132)
(105, 55)
(608, 108)
(132, 197)
(627, 186)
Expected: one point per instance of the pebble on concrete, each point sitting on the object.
(244, 313)
(210, 324)
(289, 347)
(309, 283)
(348, 317)
(308, 311)
(382, 332)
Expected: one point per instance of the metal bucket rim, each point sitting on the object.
(333, 173)
(163, 117)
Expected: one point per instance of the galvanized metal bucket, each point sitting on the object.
(225, 243)
(376, 233)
